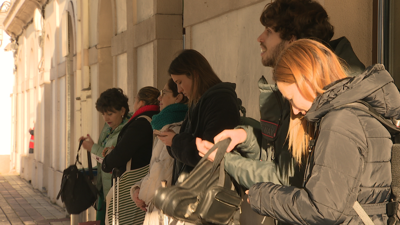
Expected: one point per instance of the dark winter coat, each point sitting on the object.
(351, 159)
(216, 111)
(135, 141)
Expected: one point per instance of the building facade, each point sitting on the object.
(66, 52)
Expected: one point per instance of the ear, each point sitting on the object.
(292, 39)
(123, 110)
(141, 103)
(179, 98)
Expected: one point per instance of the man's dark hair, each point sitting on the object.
(299, 18)
(111, 100)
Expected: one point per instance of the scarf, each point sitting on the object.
(171, 114)
(110, 131)
(145, 108)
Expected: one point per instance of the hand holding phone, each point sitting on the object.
(158, 133)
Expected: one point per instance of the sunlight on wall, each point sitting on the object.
(6, 87)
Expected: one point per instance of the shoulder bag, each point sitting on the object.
(77, 190)
(207, 195)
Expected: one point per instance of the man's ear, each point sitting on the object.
(179, 98)
(292, 39)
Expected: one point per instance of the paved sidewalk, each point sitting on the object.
(21, 204)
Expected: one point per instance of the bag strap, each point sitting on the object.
(362, 214)
(146, 117)
(219, 156)
(221, 149)
(77, 153)
(89, 158)
(129, 163)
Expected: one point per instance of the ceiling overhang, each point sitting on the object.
(20, 14)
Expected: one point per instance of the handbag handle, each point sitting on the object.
(221, 149)
(219, 156)
(77, 153)
(89, 158)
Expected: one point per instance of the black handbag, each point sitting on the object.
(207, 195)
(77, 190)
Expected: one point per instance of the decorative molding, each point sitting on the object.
(20, 15)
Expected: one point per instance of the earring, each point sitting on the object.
(122, 116)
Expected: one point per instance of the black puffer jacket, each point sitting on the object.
(351, 159)
(216, 111)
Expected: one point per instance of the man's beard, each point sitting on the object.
(271, 61)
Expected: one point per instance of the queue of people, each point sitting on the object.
(330, 157)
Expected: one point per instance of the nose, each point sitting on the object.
(295, 111)
(159, 98)
(259, 39)
(180, 89)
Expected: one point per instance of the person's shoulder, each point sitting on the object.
(223, 87)
(149, 114)
(343, 116)
(344, 121)
(222, 91)
(143, 119)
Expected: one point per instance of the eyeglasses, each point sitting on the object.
(163, 92)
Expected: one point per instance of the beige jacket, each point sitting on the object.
(161, 165)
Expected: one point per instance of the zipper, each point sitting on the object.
(226, 203)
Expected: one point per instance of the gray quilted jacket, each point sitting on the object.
(350, 162)
(256, 159)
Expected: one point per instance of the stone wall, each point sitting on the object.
(75, 49)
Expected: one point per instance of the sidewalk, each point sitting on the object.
(21, 204)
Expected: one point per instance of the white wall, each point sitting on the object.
(6, 88)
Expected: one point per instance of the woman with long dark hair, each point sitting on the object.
(212, 108)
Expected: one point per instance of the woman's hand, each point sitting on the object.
(203, 146)
(247, 193)
(107, 151)
(166, 137)
(87, 143)
(237, 136)
(139, 203)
